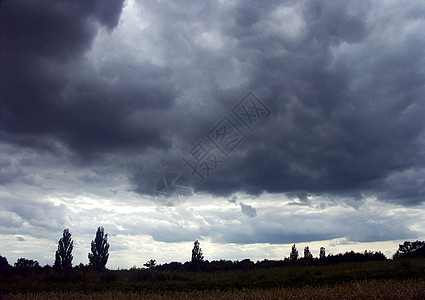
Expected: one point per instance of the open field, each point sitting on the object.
(374, 289)
(400, 279)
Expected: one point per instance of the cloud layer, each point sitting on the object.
(99, 99)
(344, 85)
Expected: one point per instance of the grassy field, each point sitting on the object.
(373, 289)
(401, 279)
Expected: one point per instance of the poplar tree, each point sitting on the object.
(63, 257)
(322, 253)
(99, 250)
(197, 253)
(294, 253)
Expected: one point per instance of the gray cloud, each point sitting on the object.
(331, 131)
(346, 104)
(248, 210)
(100, 99)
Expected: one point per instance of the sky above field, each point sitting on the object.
(249, 125)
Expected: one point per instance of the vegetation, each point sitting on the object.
(322, 253)
(294, 253)
(99, 250)
(410, 249)
(5, 268)
(243, 279)
(197, 255)
(371, 289)
(308, 257)
(351, 275)
(26, 267)
(63, 258)
(150, 264)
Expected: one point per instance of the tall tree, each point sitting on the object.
(99, 250)
(63, 258)
(307, 253)
(322, 253)
(294, 253)
(197, 253)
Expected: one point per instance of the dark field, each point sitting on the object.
(400, 279)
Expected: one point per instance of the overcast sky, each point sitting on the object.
(289, 121)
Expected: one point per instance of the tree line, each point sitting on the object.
(99, 255)
(198, 263)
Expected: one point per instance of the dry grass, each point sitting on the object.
(373, 289)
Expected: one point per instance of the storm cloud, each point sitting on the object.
(104, 97)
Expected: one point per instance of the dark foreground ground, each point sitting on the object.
(401, 279)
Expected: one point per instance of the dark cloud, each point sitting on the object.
(337, 21)
(407, 187)
(49, 91)
(344, 82)
(347, 107)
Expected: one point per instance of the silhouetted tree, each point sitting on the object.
(308, 257)
(294, 253)
(197, 253)
(82, 267)
(410, 249)
(27, 266)
(322, 253)
(172, 266)
(26, 263)
(63, 259)
(307, 253)
(150, 264)
(99, 250)
(5, 268)
(4, 263)
(221, 265)
(351, 256)
(245, 264)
